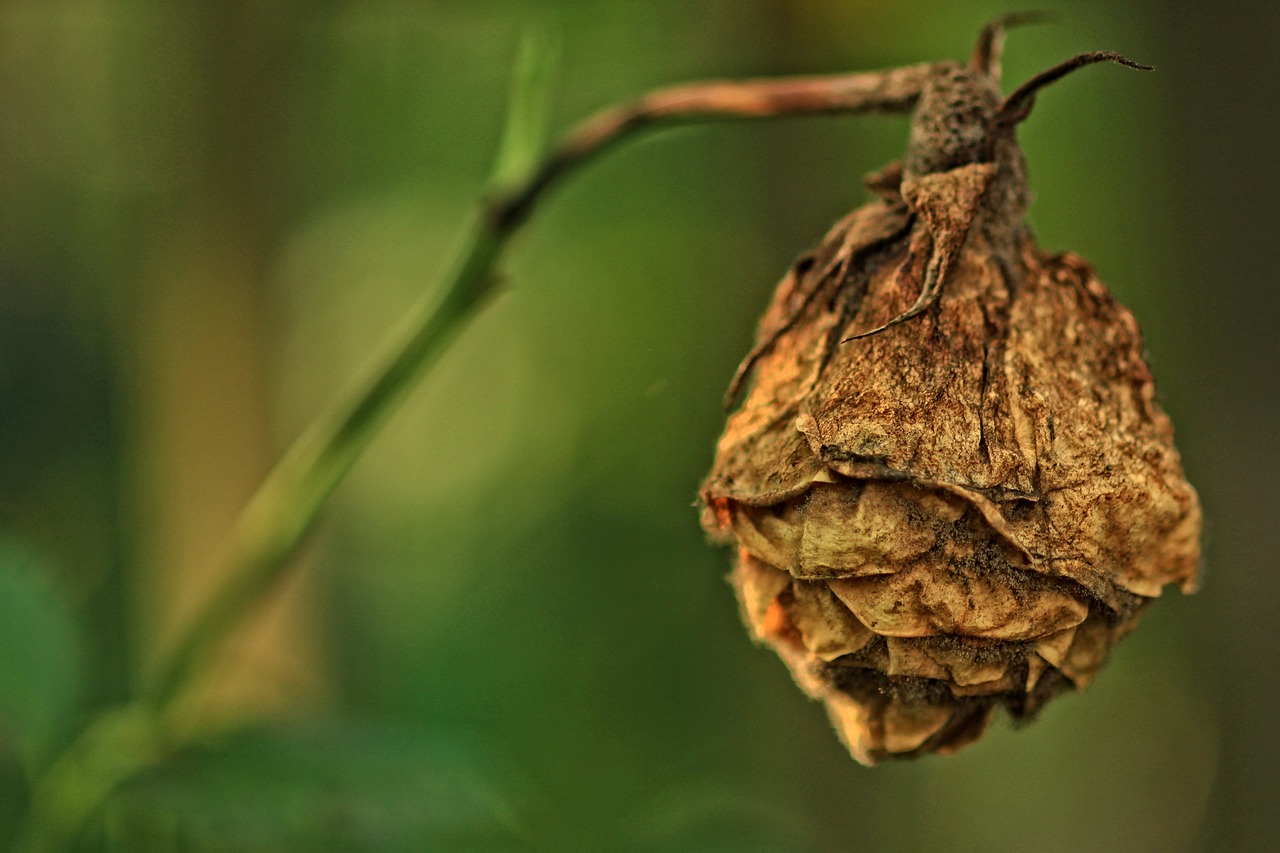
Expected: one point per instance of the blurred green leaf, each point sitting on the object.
(330, 787)
(524, 137)
(39, 654)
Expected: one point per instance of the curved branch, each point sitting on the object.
(890, 91)
(287, 503)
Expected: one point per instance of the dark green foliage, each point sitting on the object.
(341, 786)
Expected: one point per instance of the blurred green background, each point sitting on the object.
(509, 632)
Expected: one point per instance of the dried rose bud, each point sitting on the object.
(950, 486)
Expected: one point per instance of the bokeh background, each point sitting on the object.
(509, 632)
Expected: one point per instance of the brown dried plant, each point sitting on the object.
(950, 487)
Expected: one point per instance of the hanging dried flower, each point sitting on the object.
(950, 487)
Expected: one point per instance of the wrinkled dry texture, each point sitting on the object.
(961, 512)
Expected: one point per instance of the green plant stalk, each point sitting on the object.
(286, 505)
(120, 742)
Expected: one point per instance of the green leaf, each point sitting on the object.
(39, 654)
(524, 135)
(321, 787)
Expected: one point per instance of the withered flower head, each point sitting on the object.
(950, 487)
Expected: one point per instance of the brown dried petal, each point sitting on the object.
(1092, 642)
(758, 587)
(827, 628)
(796, 329)
(928, 599)
(845, 529)
(966, 662)
(1054, 647)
